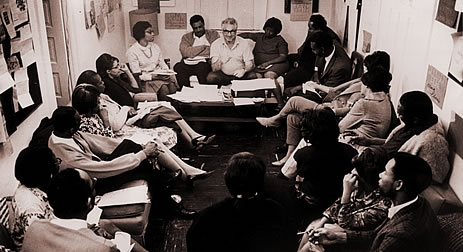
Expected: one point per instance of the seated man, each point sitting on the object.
(72, 195)
(113, 161)
(231, 56)
(333, 66)
(412, 224)
(421, 133)
(195, 50)
(304, 64)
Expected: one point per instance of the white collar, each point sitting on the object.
(328, 58)
(74, 224)
(202, 37)
(394, 209)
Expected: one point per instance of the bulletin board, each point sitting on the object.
(20, 93)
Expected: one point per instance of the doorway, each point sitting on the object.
(56, 38)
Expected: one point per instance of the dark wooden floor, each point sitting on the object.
(231, 138)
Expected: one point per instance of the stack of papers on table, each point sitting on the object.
(126, 196)
(200, 93)
(163, 72)
(252, 85)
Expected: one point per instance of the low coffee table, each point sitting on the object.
(225, 111)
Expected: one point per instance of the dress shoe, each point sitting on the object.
(192, 178)
(279, 163)
(182, 213)
(268, 122)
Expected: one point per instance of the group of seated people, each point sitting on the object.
(350, 135)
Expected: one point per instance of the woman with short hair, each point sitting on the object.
(270, 54)
(145, 57)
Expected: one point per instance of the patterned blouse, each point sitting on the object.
(363, 212)
(29, 204)
(94, 125)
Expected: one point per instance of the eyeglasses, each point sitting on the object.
(149, 32)
(118, 66)
(229, 31)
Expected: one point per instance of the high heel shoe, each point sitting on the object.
(190, 179)
(198, 144)
(268, 122)
(279, 163)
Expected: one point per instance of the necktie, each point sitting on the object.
(321, 65)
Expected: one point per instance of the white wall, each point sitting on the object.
(168, 40)
(85, 46)
(407, 30)
(21, 137)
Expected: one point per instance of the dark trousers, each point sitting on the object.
(184, 72)
(159, 193)
(219, 78)
(297, 76)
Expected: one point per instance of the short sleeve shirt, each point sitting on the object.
(234, 58)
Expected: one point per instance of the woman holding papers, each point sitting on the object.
(147, 64)
(117, 116)
(270, 53)
(86, 100)
(121, 86)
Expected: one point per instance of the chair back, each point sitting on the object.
(357, 64)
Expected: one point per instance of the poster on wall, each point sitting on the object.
(446, 13)
(366, 47)
(456, 63)
(149, 4)
(459, 5)
(19, 11)
(176, 21)
(7, 20)
(89, 13)
(301, 10)
(436, 85)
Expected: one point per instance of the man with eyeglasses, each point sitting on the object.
(231, 56)
(195, 50)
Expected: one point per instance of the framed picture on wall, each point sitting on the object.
(167, 3)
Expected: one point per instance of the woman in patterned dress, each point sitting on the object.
(86, 100)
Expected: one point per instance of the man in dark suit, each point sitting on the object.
(304, 60)
(411, 224)
(332, 63)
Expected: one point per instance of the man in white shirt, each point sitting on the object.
(231, 56)
(411, 224)
(195, 50)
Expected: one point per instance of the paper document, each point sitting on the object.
(93, 217)
(140, 138)
(252, 85)
(243, 101)
(306, 88)
(163, 72)
(127, 196)
(205, 93)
